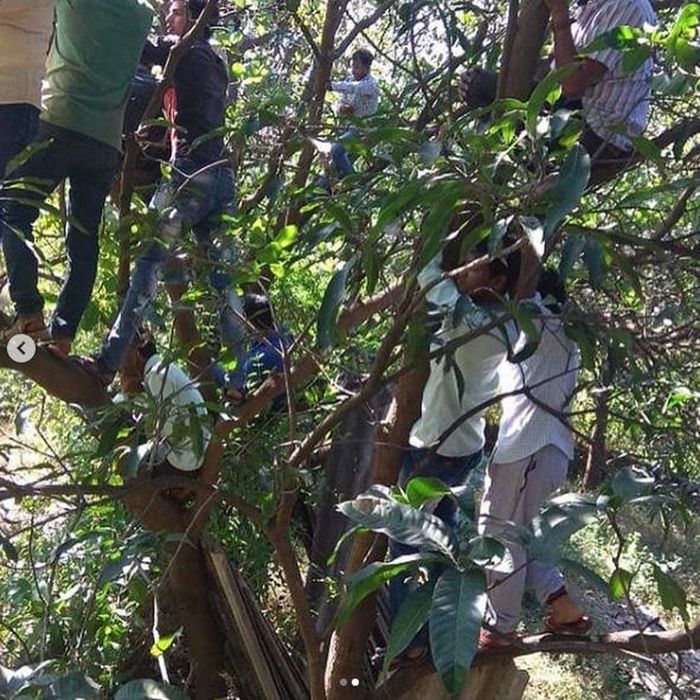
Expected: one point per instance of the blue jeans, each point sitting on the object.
(196, 197)
(89, 166)
(18, 127)
(339, 156)
(453, 471)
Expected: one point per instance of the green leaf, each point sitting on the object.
(535, 233)
(564, 516)
(326, 332)
(459, 602)
(74, 686)
(146, 689)
(620, 584)
(671, 593)
(631, 482)
(547, 90)
(287, 236)
(422, 489)
(594, 258)
(9, 549)
(569, 187)
(409, 620)
(442, 202)
(160, 646)
(401, 523)
(486, 551)
(571, 566)
(365, 581)
(571, 252)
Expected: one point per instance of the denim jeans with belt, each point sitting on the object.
(453, 471)
(18, 127)
(195, 198)
(89, 166)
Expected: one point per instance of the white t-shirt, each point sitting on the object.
(550, 374)
(617, 106)
(183, 425)
(478, 360)
(362, 95)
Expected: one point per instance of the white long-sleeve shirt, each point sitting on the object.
(182, 420)
(362, 95)
(25, 29)
(478, 360)
(550, 374)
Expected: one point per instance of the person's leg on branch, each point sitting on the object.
(90, 177)
(342, 162)
(22, 195)
(19, 124)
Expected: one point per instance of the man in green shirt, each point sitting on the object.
(92, 60)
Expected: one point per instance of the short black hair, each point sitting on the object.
(196, 7)
(257, 310)
(552, 285)
(508, 265)
(365, 56)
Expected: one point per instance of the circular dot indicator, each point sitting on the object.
(343, 682)
(355, 682)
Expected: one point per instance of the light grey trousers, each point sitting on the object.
(515, 492)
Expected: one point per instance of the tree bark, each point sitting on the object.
(595, 464)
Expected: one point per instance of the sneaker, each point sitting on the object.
(95, 368)
(30, 324)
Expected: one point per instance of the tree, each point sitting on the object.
(342, 268)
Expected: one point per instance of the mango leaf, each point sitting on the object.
(442, 202)
(547, 90)
(146, 689)
(74, 686)
(631, 482)
(409, 620)
(571, 566)
(459, 601)
(594, 258)
(671, 593)
(370, 577)
(535, 233)
(9, 549)
(486, 551)
(162, 644)
(401, 523)
(620, 584)
(569, 187)
(330, 307)
(422, 489)
(565, 515)
(571, 252)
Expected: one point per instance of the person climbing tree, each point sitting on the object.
(530, 460)
(200, 191)
(447, 440)
(25, 28)
(614, 102)
(360, 98)
(93, 57)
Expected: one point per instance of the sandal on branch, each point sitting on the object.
(576, 627)
(495, 641)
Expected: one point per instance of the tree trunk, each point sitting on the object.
(595, 464)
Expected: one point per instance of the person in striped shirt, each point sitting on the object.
(614, 103)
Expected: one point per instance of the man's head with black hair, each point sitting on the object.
(552, 285)
(256, 308)
(361, 63)
(182, 14)
(494, 279)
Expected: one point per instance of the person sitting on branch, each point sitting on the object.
(529, 462)
(448, 439)
(614, 103)
(359, 99)
(200, 192)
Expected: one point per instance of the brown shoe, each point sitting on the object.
(30, 324)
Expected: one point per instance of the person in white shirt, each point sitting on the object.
(25, 29)
(447, 440)
(360, 98)
(179, 427)
(530, 461)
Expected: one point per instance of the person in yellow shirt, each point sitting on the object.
(25, 29)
